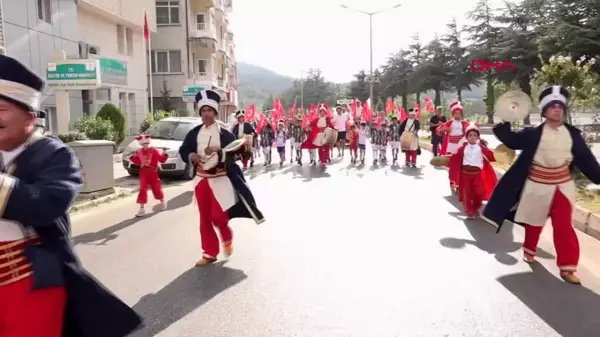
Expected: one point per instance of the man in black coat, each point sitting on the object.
(44, 290)
(240, 130)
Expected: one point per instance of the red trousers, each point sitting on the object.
(473, 191)
(565, 239)
(211, 216)
(411, 156)
(324, 154)
(149, 179)
(31, 313)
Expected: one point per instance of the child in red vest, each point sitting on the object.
(148, 158)
(353, 139)
(477, 176)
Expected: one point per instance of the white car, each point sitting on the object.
(166, 134)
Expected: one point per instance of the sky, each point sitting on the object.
(292, 36)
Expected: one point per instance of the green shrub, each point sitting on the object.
(96, 128)
(72, 137)
(115, 115)
(151, 119)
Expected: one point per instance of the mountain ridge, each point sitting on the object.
(256, 83)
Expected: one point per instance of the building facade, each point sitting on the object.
(92, 52)
(193, 49)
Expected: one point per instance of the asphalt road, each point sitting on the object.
(348, 252)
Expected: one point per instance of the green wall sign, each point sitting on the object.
(113, 72)
(189, 92)
(73, 74)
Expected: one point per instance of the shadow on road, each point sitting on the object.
(485, 238)
(183, 295)
(110, 233)
(415, 172)
(572, 311)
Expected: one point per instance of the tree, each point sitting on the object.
(313, 89)
(268, 104)
(485, 36)
(577, 76)
(435, 72)
(165, 98)
(396, 74)
(461, 75)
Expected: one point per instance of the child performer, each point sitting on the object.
(383, 141)
(395, 139)
(281, 140)
(352, 137)
(477, 177)
(362, 141)
(267, 136)
(413, 125)
(297, 137)
(375, 142)
(148, 158)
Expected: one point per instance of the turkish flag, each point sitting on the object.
(250, 113)
(146, 29)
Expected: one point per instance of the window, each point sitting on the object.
(202, 67)
(129, 40)
(167, 12)
(200, 21)
(123, 101)
(166, 61)
(170, 130)
(51, 122)
(44, 10)
(121, 39)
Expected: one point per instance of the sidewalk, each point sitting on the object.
(583, 219)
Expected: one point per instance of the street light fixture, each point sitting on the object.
(370, 14)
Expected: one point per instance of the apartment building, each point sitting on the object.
(92, 52)
(192, 50)
(112, 31)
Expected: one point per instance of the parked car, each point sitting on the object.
(166, 134)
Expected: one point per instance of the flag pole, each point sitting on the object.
(150, 78)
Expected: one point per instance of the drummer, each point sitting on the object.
(240, 130)
(317, 139)
(221, 192)
(409, 130)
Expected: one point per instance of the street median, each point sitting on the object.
(583, 219)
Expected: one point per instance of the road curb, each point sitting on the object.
(121, 193)
(583, 220)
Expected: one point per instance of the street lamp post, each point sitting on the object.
(370, 14)
(302, 90)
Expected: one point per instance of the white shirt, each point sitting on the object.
(340, 121)
(11, 230)
(240, 130)
(362, 136)
(456, 129)
(280, 139)
(221, 186)
(473, 155)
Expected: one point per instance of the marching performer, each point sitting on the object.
(539, 183)
(221, 191)
(395, 138)
(383, 141)
(362, 141)
(352, 137)
(297, 136)
(240, 130)
(477, 176)
(148, 159)
(316, 138)
(340, 119)
(454, 136)
(409, 130)
(44, 290)
(267, 137)
(280, 140)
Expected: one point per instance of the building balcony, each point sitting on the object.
(207, 79)
(202, 31)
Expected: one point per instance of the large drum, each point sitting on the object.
(247, 143)
(406, 140)
(330, 136)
